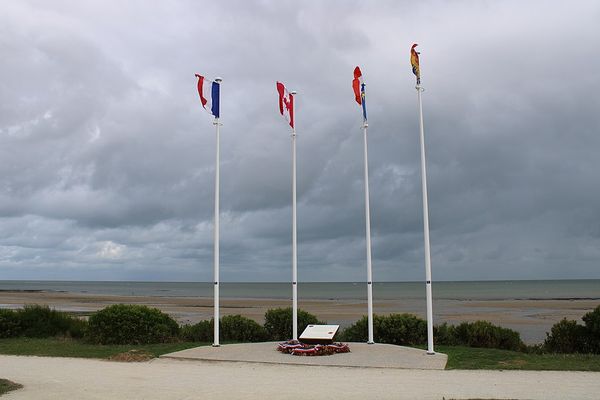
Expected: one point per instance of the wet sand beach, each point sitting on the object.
(532, 318)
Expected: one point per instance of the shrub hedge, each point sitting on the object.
(136, 324)
(407, 329)
(569, 337)
(40, 321)
(200, 332)
(400, 329)
(566, 337)
(241, 329)
(131, 324)
(592, 326)
(444, 334)
(278, 322)
(486, 334)
(10, 325)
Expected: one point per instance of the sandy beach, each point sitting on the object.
(532, 318)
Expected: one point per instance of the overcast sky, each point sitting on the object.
(107, 158)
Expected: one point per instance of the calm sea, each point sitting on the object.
(472, 290)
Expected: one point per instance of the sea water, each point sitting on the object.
(471, 290)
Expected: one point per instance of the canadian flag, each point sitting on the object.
(286, 104)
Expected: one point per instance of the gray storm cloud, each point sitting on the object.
(107, 159)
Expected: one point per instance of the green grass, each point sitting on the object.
(6, 386)
(477, 358)
(458, 357)
(76, 348)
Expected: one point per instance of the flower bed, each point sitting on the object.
(297, 348)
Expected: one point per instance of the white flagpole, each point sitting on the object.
(294, 234)
(426, 228)
(216, 233)
(368, 241)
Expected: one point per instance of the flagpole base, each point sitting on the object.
(431, 353)
(370, 342)
(216, 345)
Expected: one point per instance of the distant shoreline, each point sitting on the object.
(282, 298)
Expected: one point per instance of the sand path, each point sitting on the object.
(70, 378)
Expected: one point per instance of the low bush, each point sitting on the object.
(444, 334)
(278, 322)
(233, 328)
(566, 337)
(241, 329)
(592, 326)
(407, 329)
(40, 321)
(203, 331)
(400, 329)
(131, 324)
(357, 332)
(486, 334)
(10, 325)
(534, 348)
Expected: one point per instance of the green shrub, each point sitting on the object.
(444, 334)
(278, 322)
(241, 329)
(232, 328)
(357, 332)
(400, 329)
(566, 337)
(407, 329)
(10, 325)
(203, 331)
(131, 324)
(534, 348)
(592, 326)
(41, 321)
(78, 328)
(485, 334)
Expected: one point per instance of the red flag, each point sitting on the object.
(200, 91)
(286, 104)
(356, 85)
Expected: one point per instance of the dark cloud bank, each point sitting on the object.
(107, 160)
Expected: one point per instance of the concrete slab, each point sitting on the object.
(361, 355)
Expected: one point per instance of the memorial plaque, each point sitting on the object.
(319, 334)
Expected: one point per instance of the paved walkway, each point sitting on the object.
(361, 355)
(48, 378)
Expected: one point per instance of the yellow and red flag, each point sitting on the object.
(414, 60)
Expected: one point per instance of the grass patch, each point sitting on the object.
(76, 348)
(479, 358)
(459, 357)
(7, 386)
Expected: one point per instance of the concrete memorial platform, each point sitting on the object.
(361, 355)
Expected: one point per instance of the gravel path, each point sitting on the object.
(71, 378)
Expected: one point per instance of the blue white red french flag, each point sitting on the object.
(209, 95)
